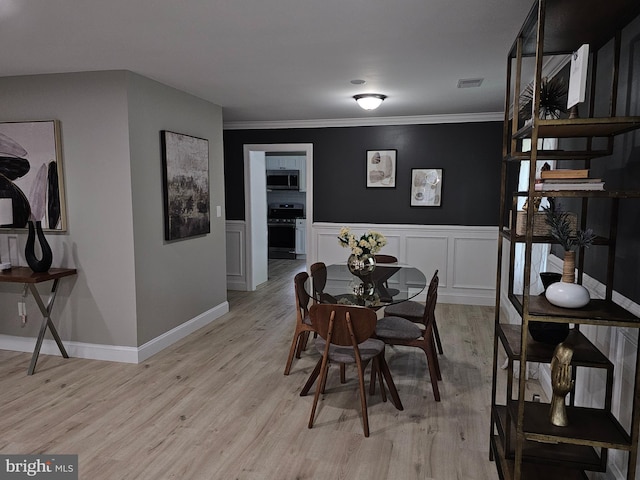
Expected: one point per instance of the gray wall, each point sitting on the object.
(175, 281)
(110, 124)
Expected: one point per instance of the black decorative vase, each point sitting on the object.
(44, 263)
(549, 332)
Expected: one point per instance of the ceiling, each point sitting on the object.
(279, 60)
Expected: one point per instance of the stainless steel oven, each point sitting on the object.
(281, 223)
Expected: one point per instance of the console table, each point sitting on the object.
(29, 278)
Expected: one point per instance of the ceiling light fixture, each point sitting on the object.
(369, 101)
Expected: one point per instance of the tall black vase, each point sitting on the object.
(44, 263)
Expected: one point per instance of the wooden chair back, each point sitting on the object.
(319, 278)
(385, 259)
(302, 297)
(432, 297)
(346, 323)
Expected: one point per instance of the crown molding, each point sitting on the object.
(367, 122)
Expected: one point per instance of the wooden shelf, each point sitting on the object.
(582, 193)
(581, 457)
(544, 239)
(597, 312)
(585, 353)
(524, 442)
(531, 471)
(570, 24)
(558, 155)
(580, 127)
(587, 426)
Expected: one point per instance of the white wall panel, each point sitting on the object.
(472, 259)
(235, 235)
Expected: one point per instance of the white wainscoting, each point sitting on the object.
(236, 257)
(464, 256)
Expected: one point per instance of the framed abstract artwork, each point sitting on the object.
(31, 174)
(426, 187)
(381, 168)
(186, 185)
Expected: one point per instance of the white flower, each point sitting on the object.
(369, 243)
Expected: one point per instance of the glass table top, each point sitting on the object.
(386, 285)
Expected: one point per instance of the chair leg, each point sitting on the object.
(363, 400)
(432, 368)
(303, 344)
(393, 392)
(323, 378)
(436, 362)
(323, 384)
(312, 379)
(294, 344)
(377, 369)
(372, 380)
(436, 334)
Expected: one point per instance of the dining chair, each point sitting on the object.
(303, 321)
(382, 259)
(319, 277)
(379, 258)
(401, 331)
(414, 311)
(345, 336)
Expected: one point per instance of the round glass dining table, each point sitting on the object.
(385, 285)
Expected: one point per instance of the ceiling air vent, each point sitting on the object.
(470, 82)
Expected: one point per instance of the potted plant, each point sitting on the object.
(567, 293)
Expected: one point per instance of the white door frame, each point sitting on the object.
(276, 147)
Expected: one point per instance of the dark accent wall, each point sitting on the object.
(620, 171)
(468, 153)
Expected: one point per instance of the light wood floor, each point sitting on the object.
(217, 406)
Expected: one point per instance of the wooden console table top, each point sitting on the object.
(26, 275)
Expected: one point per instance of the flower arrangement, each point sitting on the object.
(558, 220)
(369, 243)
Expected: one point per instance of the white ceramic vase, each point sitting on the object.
(567, 295)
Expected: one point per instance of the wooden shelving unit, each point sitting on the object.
(524, 443)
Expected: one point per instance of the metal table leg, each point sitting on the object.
(46, 322)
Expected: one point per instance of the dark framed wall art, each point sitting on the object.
(31, 173)
(186, 185)
(426, 187)
(381, 168)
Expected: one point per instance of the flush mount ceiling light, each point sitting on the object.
(369, 101)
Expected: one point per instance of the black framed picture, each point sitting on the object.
(381, 168)
(186, 185)
(426, 187)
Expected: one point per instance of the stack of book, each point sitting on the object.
(567, 179)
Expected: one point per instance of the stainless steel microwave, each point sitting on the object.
(283, 180)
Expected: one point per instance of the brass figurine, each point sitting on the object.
(561, 384)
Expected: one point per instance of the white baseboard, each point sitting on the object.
(116, 353)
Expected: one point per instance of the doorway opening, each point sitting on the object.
(256, 204)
